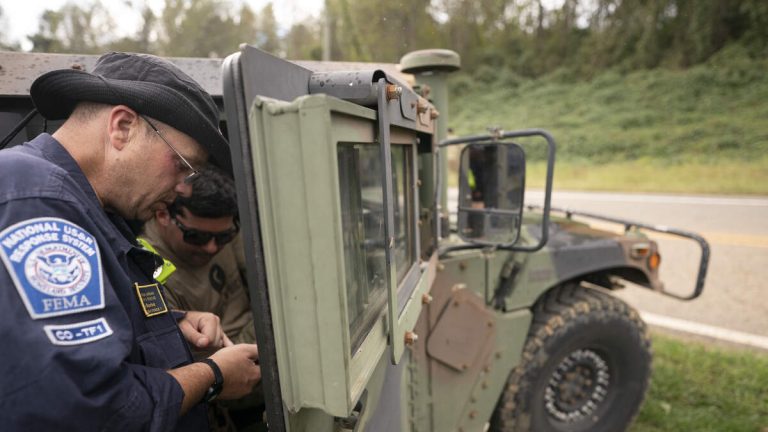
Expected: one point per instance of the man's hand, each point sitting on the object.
(203, 331)
(239, 366)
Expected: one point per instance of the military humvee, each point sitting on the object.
(374, 309)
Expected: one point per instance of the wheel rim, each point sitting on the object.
(578, 386)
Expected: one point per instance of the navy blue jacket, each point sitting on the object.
(86, 339)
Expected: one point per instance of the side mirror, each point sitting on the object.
(491, 193)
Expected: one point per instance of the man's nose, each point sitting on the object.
(183, 189)
(211, 247)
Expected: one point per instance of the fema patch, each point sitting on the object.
(55, 266)
(78, 333)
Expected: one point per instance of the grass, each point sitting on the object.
(701, 130)
(649, 175)
(697, 387)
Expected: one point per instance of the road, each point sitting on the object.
(736, 294)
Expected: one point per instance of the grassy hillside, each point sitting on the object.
(701, 130)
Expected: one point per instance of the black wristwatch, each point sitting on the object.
(218, 381)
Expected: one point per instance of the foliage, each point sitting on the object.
(378, 30)
(302, 42)
(697, 387)
(73, 28)
(203, 28)
(266, 33)
(708, 112)
(653, 175)
(191, 28)
(528, 38)
(696, 130)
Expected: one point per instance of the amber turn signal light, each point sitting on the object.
(654, 261)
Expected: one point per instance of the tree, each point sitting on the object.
(74, 29)
(302, 42)
(267, 38)
(523, 37)
(4, 44)
(143, 40)
(201, 28)
(475, 29)
(248, 23)
(755, 26)
(367, 30)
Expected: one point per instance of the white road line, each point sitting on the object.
(705, 330)
(653, 198)
(535, 196)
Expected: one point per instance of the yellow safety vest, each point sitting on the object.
(163, 272)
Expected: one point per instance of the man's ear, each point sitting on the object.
(124, 123)
(163, 217)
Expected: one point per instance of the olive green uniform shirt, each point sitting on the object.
(217, 287)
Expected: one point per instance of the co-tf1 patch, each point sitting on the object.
(78, 333)
(55, 266)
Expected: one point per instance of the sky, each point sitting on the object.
(21, 17)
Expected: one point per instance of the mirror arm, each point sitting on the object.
(551, 147)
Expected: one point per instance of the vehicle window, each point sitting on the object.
(363, 219)
(402, 173)
(362, 209)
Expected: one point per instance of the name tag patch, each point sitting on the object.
(78, 333)
(151, 299)
(55, 266)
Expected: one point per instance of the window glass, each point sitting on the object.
(403, 209)
(363, 218)
(363, 229)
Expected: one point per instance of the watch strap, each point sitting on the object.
(218, 380)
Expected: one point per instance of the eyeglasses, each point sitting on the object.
(192, 171)
(200, 238)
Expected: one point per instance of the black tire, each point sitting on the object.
(585, 366)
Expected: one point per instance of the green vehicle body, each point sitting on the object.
(428, 342)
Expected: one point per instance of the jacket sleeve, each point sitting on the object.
(67, 337)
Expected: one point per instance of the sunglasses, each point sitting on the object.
(200, 238)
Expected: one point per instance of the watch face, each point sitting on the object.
(212, 392)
